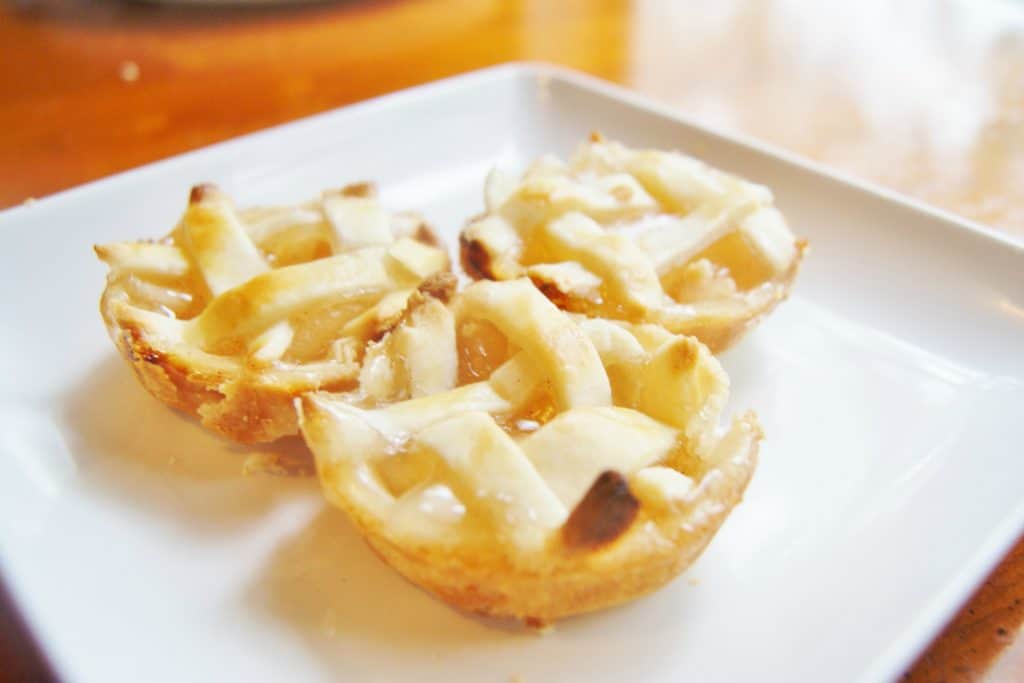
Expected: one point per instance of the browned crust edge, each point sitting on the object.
(475, 258)
(606, 511)
(720, 336)
(640, 561)
(243, 408)
(717, 335)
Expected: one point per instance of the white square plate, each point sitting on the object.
(890, 387)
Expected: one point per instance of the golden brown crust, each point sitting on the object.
(643, 236)
(475, 258)
(440, 286)
(652, 553)
(427, 236)
(721, 333)
(243, 407)
(718, 332)
(604, 514)
(363, 189)
(234, 391)
(505, 493)
(564, 300)
(200, 192)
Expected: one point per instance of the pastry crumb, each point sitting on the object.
(278, 465)
(539, 626)
(129, 71)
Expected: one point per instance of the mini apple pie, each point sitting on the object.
(236, 312)
(520, 461)
(640, 236)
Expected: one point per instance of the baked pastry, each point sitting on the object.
(519, 461)
(236, 312)
(641, 236)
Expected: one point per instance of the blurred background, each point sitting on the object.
(925, 96)
(922, 96)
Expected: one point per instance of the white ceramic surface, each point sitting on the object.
(891, 387)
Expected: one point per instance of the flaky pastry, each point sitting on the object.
(519, 461)
(237, 312)
(641, 236)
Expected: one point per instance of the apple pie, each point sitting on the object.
(641, 236)
(237, 312)
(517, 460)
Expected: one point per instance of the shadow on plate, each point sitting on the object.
(147, 455)
(349, 609)
(336, 593)
(360, 620)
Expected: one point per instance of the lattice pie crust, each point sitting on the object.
(518, 461)
(641, 236)
(235, 313)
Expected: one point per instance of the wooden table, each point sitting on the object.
(924, 97)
